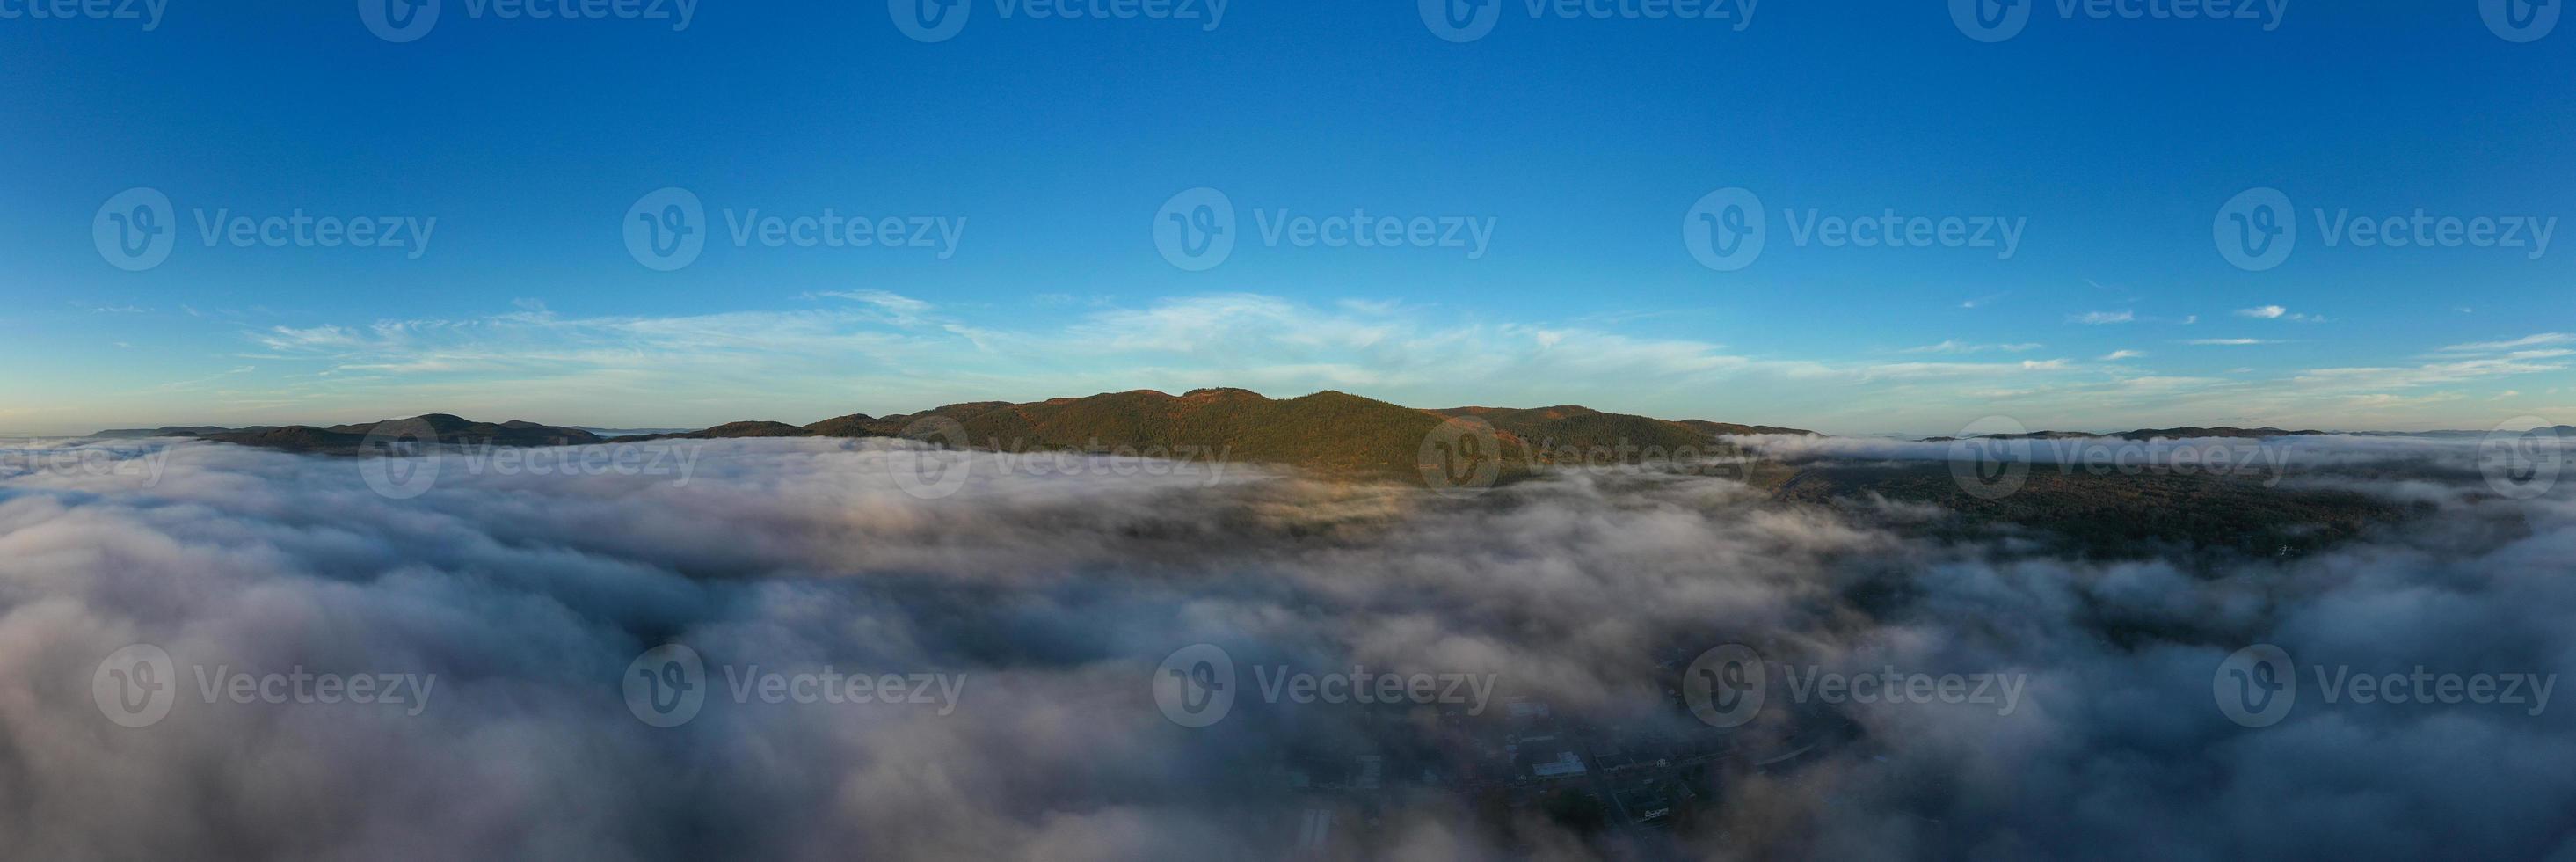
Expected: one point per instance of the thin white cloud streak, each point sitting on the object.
(1955, 346)
(2544, 338)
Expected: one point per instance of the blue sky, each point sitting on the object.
(1034, 157)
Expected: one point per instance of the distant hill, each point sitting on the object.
(2182, 433)
(614, 433)
(2560, 430)
(173, 431)
(352, 439)
(2113, 515)
(1338, 434)
(736, 429)
(1584, 426)
(1732, 428)
(1329, 432)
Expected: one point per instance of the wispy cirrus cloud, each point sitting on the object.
(2455, 364)
(1966, 347)
(1935, 370)
(2542, 339)
(2275, 312)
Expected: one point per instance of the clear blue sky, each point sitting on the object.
(1582, 143)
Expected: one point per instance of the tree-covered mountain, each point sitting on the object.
(1339, 435)
(2142, 434)
(355, 438)
(1333, 433)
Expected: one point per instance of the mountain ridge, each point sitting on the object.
(1330, 431)
(1337, 434)
(2184, 432)
(356, 438)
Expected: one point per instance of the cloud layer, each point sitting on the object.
(1050, 598)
